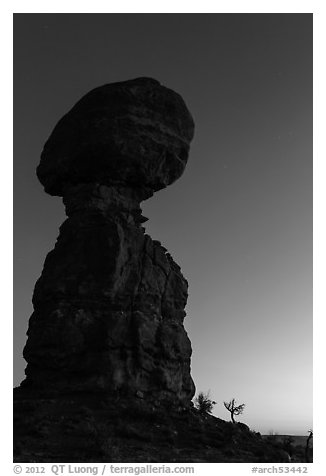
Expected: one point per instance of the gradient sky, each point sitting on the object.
(239, 221)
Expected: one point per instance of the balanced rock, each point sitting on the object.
(109, 305)
(108, 359)
(134, 133)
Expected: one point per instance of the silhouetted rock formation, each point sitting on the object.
(108, 374)
(109, 306)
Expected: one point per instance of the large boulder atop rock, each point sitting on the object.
(134, 133)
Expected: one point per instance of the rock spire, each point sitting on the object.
(109, 305)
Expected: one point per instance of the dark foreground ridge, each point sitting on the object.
(108, 358)
(89, 428)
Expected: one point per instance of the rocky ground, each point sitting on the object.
(88, 428)
(295, 445)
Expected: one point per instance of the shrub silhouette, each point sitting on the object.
(234, 409)
(203, 403)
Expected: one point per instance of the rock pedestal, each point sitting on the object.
(109, 306)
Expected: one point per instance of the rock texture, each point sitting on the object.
(109, 306)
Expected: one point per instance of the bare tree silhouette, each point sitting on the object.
(307, 445)
(233, 408)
